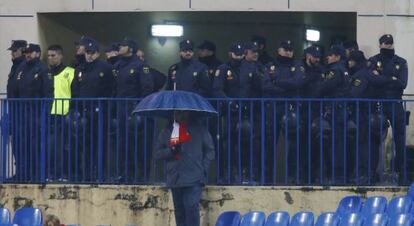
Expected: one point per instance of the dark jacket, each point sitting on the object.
(196, 155)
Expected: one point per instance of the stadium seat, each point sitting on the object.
(375, 204)
(302, 219)
(4, 216)
(401, 220)
(228, 218)
(399, 205)
(411, 191)
(327, 219)
(280, 218)
(351, 219)
(253, 218)
(377, 219)
(349, 204)
(28, 217)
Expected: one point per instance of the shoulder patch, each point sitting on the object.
(357, 82)
(195, 74)
(132, 71)
(101, 74)
(146, 70)
(292, 69)
(114, 72)
(302, 69)
(217, 72)
(375, 72)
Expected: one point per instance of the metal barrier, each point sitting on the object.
(258, 142)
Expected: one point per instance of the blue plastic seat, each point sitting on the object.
(401, 220)
(280, 218)
(253, 218)
(349, 204)
(28, 217)
(411, 191)
(377, 219)
(229, 218)
(302, 219)
(351, 219)
(374, 204)
(327, 219)
(4, 216)
(399, 205)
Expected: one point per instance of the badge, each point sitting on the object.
(19, 76)
(80, 76)
(211, 71)
(195, 74)
(250, 75)
(292, 69)
(272, 67)
(146, 70)
(357, 82)
(114, 72)
(375, 72)
(101, 74)
(397, 67)
(36, 76)
(229, 73)
(323, 76)
(130, 71)
(217, 73)
(302, 69)
(379, 64)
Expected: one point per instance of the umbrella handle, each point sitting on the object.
(175, 85)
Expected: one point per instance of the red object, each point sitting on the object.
(179, 135)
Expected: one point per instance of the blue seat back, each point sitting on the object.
(253, 218)
(302, 219)
(327, 219)
(351, 219)
(280, 218)
(411, 191)
(349, 204)
(4, 216)
(399, 205)
(229, 218)
(375, 204)
(28, 217)
(376, 219)
(401, 220)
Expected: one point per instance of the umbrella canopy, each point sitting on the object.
(164, 103)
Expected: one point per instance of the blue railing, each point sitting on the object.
(258, 142)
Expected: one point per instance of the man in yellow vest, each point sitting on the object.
(59, 159)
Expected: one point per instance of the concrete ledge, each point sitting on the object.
(152, 205)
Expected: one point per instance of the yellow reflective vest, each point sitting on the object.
(62, 83)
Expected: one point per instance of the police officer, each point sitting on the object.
(389, 75)
(189, 74)
(111, 53)
(264, 57)
(207, 56)
(349, 47)
(32, 82)
(332, 84)
(93, 80)
(80, 51)
(18, 58)
(62, 77)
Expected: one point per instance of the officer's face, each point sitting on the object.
(285, 52)
(32, 55)
(111, 54)
(91, 56)
(236, 57)
(124, 50)
(252, 55)
(332, 58)
(351, 63)
(80, 49)
(205, 53)
(311, 60)
(16, 53)
(140, 54)
(187, 54)
(386, 46)
(54, 57)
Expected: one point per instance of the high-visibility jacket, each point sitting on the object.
(62, 89)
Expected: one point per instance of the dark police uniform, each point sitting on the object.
(189, 75)
(264, 57)
(11, 79)
(211, 62)
(389, 76)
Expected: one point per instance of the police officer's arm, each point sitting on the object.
(204, 82)
(218, 83)
(331, 82)
(75, 84)
(47, 83)
(162, 151)
(270, 87)
(208, 150)
(146, 81)
(377, 78)
(358, 86)
(290, 82)
(401, 78)
(301, 77)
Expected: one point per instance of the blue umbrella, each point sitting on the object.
(164, 103)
